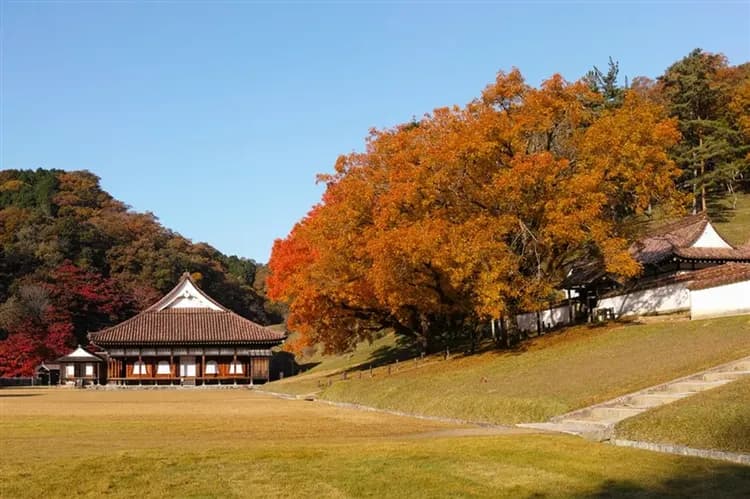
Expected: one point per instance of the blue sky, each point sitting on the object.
(217, 116)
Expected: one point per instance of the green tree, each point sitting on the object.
(606, 84)
(698, 90)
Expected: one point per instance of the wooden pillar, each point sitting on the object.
(538, 323)
(140, 365)
(250, 369)
(171, 365)
(234, 366)
(203, 366)
(570, 308)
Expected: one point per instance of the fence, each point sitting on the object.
(18, 381)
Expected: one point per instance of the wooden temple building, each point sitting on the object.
(186, 338)
(670, 252)
(678, 259)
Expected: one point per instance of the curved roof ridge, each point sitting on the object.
(157, 323)
(172, 294)
(677, 224)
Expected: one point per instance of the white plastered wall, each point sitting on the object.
(729, 299)
(549, 317)
(662, 300)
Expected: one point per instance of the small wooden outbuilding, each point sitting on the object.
(80, 367)
(47, 373)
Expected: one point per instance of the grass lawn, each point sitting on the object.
(733, 224)
(715, 419)
(552, 375)
(235, 443)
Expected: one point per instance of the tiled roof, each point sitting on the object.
(661, 242)
(730, 254)
(186, 326)
(584, 274)
(79, 355)
(48, 366)
(720, 275)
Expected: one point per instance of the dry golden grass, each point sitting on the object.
(734, 224)
(222, 443)
(714, 419)
(551, 375)
(165, 417)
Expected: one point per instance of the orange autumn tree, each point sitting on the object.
(473, 213)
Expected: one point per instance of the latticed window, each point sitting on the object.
(139, 367)
(163, 367)
(212, 367)
(235, 368)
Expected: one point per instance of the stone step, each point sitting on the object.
(612, 413)
(650, 400)
(693, 386)
(582, 423)
(589, 430)
(725, 375)
(602, 421)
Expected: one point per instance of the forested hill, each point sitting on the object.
(73, 259)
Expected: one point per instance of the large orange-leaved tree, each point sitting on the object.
(473, 212)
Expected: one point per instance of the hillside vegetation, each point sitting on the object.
(73, 260)
(548, 376)
(236, 443)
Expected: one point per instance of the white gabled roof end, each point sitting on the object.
(186, 295)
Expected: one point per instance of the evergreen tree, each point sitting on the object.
(698, 90)
(606, 83)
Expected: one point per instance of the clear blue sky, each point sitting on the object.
(217, 116)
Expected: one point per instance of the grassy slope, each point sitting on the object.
(734, 225)
(554, 374)
(364, 354)
(322, 367)
(237, 444)
(716, 419)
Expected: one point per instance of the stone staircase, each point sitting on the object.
(597, 422)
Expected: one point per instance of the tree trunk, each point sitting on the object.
(503, 333)
(703, 182)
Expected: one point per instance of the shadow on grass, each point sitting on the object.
(720, 211)
(406, 349)
(725, 481)
(8, 395)
(284, 364)
(403, 349)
